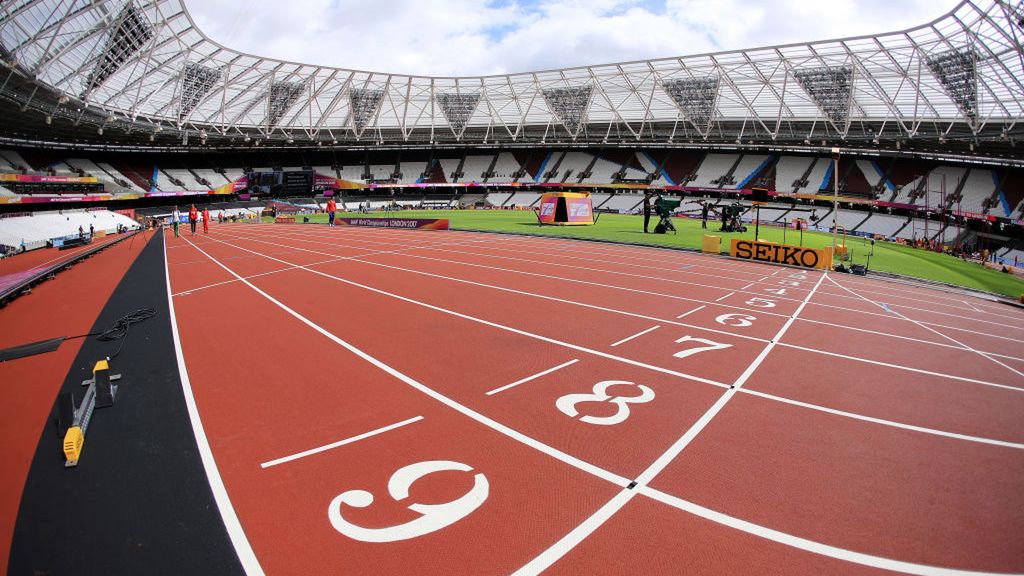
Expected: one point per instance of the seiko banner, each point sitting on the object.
(781, 254)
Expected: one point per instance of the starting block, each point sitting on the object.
(99, 393)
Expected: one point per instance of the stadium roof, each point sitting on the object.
(141, 69)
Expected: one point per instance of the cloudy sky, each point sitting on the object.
(470, 37)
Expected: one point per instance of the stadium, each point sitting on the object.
(745, 311)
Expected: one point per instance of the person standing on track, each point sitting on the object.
(647, 210)
(175, 220)
(206, 220)
(193, 217)
(332, 207)
(704, 209)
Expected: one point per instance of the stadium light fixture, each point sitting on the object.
(49, 119)
(100, 130)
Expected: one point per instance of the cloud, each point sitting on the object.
(470, 37)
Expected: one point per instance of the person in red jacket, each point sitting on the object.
(193, 217)
(206, 220)
(332, 207)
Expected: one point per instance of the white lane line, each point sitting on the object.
(566, 543)
(968, 318)
(533, 262)
(536, 274)
(534, 377)
(910, 338)
(724, 297)
(685, 314)
(803, 543)
(822, 408)
(747, 286)
(603, 309)
(748, 527)
(532, 294)
(539, 337)
(637, 335)
(243, 548)
(902, 367)
(934, 331)
(973, 307)
(426, 390)
(894, 424)
(339, 443)
(673, 451)
(562, 547)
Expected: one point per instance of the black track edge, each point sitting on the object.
(139, 501)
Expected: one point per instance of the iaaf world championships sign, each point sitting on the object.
(416, 223)
(781, 254)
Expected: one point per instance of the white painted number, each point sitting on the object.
(788, 283)
(761, 303)
(709, 345)
(779, 291)
(737, 320)
(567, 404)
(434, 516)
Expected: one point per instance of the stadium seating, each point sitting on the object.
(505, 168)
(524, 199)
(713, 169)
(35, 230)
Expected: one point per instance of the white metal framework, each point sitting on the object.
(144, 65)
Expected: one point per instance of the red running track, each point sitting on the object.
(19, 267)
(377, 401)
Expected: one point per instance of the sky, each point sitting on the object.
(478, 37)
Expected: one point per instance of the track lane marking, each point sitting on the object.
(786, 539)
(518, 241)
(818, 548)
(541, 296)
(883, 421)
(243, 549)
(901, 367)
(685, 314)
(911, 338)
(559, 549)
(950, 338)
(430, 392)
(570, 266)
(339, 443)
(539, 337)
(724, 297)
(587, 350)
(533, 377)
(637, 335)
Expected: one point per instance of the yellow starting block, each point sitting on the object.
(99, 393)
(73, 442)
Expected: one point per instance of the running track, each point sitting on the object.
(381, 401)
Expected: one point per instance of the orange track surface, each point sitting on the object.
(66, 305)
(821, 458)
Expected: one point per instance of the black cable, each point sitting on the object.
(119, 329)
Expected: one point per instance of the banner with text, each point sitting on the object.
(411, 223)
(781, 254)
